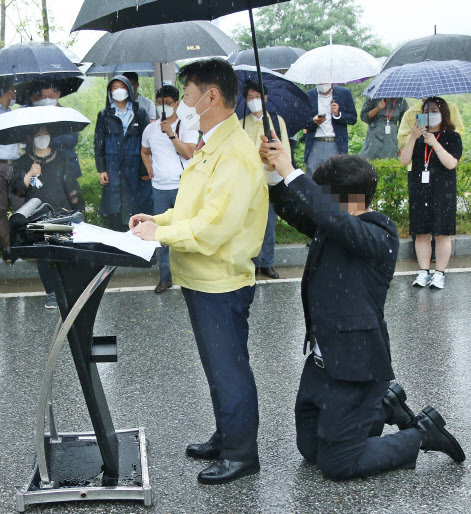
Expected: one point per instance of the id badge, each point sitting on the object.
(425, 177)
(387, 129)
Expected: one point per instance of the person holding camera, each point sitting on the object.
(434, 149)
(333, 109)
(383, 117)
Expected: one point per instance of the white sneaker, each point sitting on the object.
(423, 279)
(438, 281)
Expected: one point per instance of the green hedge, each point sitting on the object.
(391, 195)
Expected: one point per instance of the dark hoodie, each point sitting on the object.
(120, 156)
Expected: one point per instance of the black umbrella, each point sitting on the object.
(273, 57)
(115, 15)
(162, 43)
(439, 47)
(66, 86)
(32, 61)
(143, 69)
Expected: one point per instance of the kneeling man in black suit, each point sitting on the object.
(345, 396)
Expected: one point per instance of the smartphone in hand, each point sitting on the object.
(321, 116)
(421, 119)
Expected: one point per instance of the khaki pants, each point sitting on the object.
(6, 197)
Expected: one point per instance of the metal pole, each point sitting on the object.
(164, 116)
(266, 122)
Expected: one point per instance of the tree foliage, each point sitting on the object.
(308, 23)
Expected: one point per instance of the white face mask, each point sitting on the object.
(255, 105)
(45, 102)
(323, 88)
(188, 115)
(119, 95)
(168, 111)
(12, 102)
(42, 142)
(434, 119)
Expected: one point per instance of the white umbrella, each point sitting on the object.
(16, 125)
(333, 64)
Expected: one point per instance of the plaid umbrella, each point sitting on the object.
(422, 80)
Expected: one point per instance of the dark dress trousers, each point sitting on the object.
(221, 328)
(351, 262)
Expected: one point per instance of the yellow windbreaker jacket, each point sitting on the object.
(220, 214)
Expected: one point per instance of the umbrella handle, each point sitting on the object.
(266, 123)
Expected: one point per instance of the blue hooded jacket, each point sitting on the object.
(120, 156)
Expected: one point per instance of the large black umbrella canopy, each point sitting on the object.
(438, 47)
(30, 61)
(116, 15)
(161, 43)
(272, 57)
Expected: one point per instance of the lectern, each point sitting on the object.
(104, 463)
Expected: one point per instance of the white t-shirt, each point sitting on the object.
(166, 163)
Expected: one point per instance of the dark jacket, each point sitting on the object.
(59, 187)
(348, 271)
(343, 97)
(120, 155)
(66, 144)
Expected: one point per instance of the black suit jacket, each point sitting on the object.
(348, 271)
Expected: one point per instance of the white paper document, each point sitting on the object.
(125, 241)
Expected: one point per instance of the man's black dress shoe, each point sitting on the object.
(223, 471)
(208, 450)
(402, 415)
(435, 437)
(161, 287)
(269, 272)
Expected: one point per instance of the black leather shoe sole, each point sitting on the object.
(401, 397)
(228, 475)
(458, 454)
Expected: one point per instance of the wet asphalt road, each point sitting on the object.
(158, 383)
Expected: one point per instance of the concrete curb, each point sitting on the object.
(285, 255)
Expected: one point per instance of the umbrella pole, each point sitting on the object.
(266, 123)
(164, 116)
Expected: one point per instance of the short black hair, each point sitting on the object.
(213, 72)
(170, 91)
(5, 85)
(348, 175)
(255, 86)
(131, 76)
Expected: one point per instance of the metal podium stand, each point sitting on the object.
(103, 464)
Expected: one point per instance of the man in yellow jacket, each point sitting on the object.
(214, 231)
(253, 125)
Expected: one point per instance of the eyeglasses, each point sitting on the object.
(167, 103)
(250, 98)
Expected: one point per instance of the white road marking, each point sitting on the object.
(175, 287)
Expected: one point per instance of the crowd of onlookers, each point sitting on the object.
(142, 147)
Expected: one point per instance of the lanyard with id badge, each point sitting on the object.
(387, 128)
(426, 172)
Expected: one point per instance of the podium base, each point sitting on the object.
(76, 473)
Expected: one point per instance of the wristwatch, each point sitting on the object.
(172, 137)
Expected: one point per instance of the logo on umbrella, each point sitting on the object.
(193, 47)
